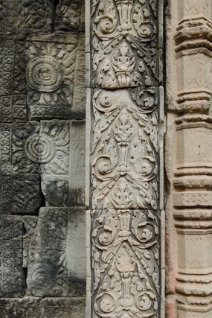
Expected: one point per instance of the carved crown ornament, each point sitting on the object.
(125, 151)
(125, 261)
(124, 42)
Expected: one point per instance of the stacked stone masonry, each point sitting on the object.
(42, 159)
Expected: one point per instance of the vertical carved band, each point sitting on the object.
(124, 198)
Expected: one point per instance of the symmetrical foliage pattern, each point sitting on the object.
(125, 263)
(124, 46)
(124, 200)
(125, 150)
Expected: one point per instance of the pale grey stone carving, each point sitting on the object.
(124, 195)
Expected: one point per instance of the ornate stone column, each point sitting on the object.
(124, 120)
(189, 159)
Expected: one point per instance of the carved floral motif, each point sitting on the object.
(124, 42)
(50, 76)
(125, 150)
(126, 263)
(41, 147)
(125, 159)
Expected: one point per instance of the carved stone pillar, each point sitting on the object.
(124, 196)
(189, 159)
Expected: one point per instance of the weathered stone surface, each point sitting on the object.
(47, 273)
(55, 69)
(77, 164)
(75, 251)
(124, 149)
(53, 268)
(68, 189)
(29, 224)
(41, 147)
(42, 154)
(52, 152)
(12, 80)
(126, 258)
(42, 308)
(56, 190)
(188, 161)
(69, 15)
(124, 195)
(11, 253)
(194, 130)
(23, 16)
(20, 194)
(124, 43)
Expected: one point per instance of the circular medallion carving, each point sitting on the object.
(144, 302)
(44, 74)
(105, 304)
(40, 148)
(40, 278)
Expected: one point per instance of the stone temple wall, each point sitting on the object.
(111, 220)
(42, 155)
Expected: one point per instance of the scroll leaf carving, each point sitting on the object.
(124, 36)
(125, 164)
(126, 263)
(125, 159)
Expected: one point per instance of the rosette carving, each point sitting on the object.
(40, 278)
(41, 147)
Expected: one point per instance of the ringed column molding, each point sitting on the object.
(189, 159)
(125, 158)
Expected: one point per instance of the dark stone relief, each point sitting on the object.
(70, 15)
(42, 154)
(42, 308)
(54, 76)
(24, 16)
(11, 251)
